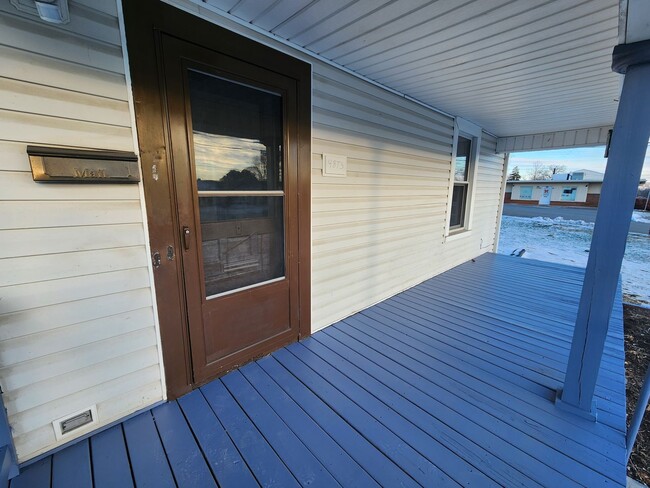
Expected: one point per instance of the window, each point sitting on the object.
(462, 183)
(462, 173)
(525, 193)
(569, 194)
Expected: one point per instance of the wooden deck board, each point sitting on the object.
(226, 463)
(110, 460)
(71, 467)
(185, 457)
(342, 467)
(149, 463)
(449, 383)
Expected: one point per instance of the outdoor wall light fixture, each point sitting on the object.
(53, 11)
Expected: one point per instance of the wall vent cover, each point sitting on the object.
(75, 421)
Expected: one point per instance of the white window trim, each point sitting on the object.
(472, 132)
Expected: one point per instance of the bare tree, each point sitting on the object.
(557, 168)
(539, 171)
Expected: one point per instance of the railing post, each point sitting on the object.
(627, 150)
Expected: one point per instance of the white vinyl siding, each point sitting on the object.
(76, 317)
(374, 232)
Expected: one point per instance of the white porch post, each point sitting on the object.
(627, 150)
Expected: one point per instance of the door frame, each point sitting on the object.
(145, 21)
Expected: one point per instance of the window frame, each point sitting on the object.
(468, 130)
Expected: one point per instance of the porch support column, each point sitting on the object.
(627, 150)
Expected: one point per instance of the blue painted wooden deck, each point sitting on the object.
(449, 383)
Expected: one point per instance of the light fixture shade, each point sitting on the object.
(49, 11)
(53, 11)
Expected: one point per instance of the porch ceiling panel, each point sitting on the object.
(513, 67)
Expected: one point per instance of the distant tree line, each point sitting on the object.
(537, 172)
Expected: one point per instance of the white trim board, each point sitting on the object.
(588, 137)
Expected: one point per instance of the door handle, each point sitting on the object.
(186, 238)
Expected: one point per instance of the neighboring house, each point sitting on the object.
(578, 188)
(265, 191)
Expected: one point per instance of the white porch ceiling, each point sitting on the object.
(512, 66)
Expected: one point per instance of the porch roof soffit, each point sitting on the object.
(525, 67)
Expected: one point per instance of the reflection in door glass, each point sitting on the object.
(238, 138)
(237, 134)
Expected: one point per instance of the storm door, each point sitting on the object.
(231, 128)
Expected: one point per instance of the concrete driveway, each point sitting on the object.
(587, 214)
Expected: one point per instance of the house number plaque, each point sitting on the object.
(56, 165)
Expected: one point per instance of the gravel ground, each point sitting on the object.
(637, 360)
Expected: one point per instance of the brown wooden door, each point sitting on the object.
(232, 141)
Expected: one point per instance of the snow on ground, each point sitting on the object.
(640, 216)
(567, 242)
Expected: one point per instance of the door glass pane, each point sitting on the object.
(243, 241)
(238, 137)
(237, 131)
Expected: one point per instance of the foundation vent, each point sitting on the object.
(75, 421)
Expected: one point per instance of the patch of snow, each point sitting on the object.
(641, 216)
(568, 241)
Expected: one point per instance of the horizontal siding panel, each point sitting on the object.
(92, 370)
(355, 249)
(33, 242)
(32, 98)
(61, 339)
(372, 164)
(353, 219)
(42, 392)
(370, 190)
(353, 137)
(18, 186)
(335, 236)
(109, 410)
(44, 293)
(56, 131)
(49, 40)
(406, 161)
(26, 215)
(326, 88)
(45, 414)
(419, 111)
(108, 8)
(22, 65)
(51, 317)
(382, 253)
(25, 375)
(373, 204)
(356, 123)
(87, 23)
(384, 180)
(326, 105)
(14, 156)
(32, 269)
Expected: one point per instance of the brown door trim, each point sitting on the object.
(145, 20)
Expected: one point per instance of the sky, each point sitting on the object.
(574, 159)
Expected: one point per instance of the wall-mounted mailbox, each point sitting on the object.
(57, 165)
